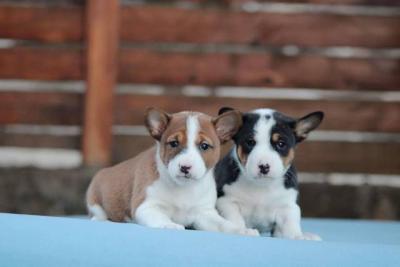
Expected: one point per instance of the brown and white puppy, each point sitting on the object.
(170, 185)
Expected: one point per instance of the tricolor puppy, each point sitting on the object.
(257, 183)
(170, 185)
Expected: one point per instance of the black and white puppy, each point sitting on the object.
(257, 182)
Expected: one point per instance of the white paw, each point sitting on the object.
(251, 232)
(308, 236)
(248, 231)
(173, 226)
(311, 236)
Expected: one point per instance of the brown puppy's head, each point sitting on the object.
(189, 142)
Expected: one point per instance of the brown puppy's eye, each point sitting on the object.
(173, 144)
(281, 144)
(251, 142)
(204, 146)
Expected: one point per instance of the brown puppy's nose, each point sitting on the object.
(185, 169)
(264, 168)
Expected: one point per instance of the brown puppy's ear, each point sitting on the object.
(306, 124)
(156, 121)
(227, 124)
(224, 109)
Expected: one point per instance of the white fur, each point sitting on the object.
(175, 202)
(263, 153)
(262, 202)
(97, 212)
(189, 157)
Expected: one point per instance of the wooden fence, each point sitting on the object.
(296, 57)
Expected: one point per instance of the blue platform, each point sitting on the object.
(50, 241)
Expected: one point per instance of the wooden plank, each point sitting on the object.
(161, 24)
(171, 24)
(311, 156)
(41, 23)
(349, 157)
(41, 108)
(39, 141)
(103, 25)
(145, 65)
(65, 109)
(258, 69)
(42, 63)
(326, 2)
(36, 191)
(340, 115)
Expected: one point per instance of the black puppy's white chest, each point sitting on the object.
(259, 201)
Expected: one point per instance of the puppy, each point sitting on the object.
(257, 182)
(170, 185)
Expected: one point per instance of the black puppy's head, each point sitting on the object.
(265, 143)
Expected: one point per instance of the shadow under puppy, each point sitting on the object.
(170, 185)
(257, 182)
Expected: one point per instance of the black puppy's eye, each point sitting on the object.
(281, 144)
(204, 146)
(174, 144)
(251, 142)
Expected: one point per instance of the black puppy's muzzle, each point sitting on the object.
(264, 168)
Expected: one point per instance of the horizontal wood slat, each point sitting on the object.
(47, 24)
(41, 108)
(256, 69)
(169, 24)
(142, 65)
(42, 63)
(358, 116)
(310, 156)
(66, 109)
(330, 2)
(146, 24)
(39, 141)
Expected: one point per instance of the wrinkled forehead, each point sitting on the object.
(262, 123)
(255, 122)
(283, 126)
(188, 123)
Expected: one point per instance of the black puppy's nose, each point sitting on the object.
(264, 168)
(185, 169)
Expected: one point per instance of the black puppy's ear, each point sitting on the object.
(306, 124)
(227, 124)
(156, 121)
(224, 109)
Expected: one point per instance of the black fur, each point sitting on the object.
(284, 127)
(226, 172)
(291, 178)
(246, 132)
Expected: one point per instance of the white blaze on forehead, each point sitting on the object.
(263, 111)
(263, 152)
(262, 130)
(192, 130)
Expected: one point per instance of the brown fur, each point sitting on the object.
(289, 158)
(241, 155)
(176, 130)
(120, 189)
(208, 134)
(275, 137)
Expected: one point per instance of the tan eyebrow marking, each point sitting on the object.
(275, 137)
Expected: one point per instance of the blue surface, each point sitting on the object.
(50, 241)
